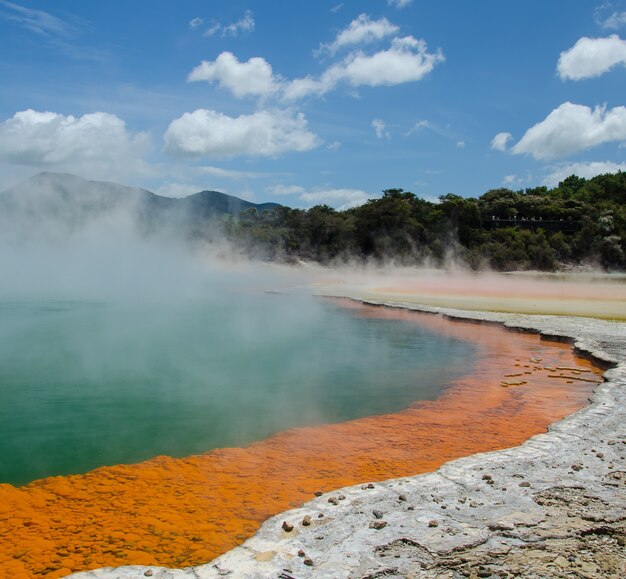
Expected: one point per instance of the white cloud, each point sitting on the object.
(511, 180)
(418, 126)
(339, 198)
(336, 8)
(380, 128)
(52, 31)
(285, 189)
(571, 128)
(37, 21)
(586, 170)
(334, 146)
(591, 57)
(362, 30)
(460, 144)
(607, 16)
(96, 144)
(244, 24)
(407, 60)
(195, 22)
(399, 3)
(226, 173)
(251, 78)
(211, 30)
(500, 141)
(262, 134)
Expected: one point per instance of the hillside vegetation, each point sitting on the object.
(581, 221)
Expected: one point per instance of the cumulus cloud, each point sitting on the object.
(244, 24)
(362, 30)
(591, 57)
(262, 134)
(251, 78)
(96, 143)
(500, 141)
(407, 60)
(379, 127)
(571, 128)
(399, 3)
(339, 198)
(586, 170)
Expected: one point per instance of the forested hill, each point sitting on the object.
(581, 221)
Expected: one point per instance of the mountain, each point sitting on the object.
(62, 200)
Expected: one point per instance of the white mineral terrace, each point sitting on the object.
(554, 506)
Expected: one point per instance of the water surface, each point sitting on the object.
(86, 384)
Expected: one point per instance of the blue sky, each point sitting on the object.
(306, 102)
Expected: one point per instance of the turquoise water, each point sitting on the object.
(86, 384)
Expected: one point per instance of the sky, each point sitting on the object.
(310, 102)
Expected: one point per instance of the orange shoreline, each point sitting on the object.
(181, 512)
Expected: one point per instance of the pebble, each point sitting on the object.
(402, 498)
(288, 527)
(318, 493)
(378, 514)
(524, 484)
(433, 523)
(306, 521)
(378, 525)
(148, 573)
(308, 561)
(333, 501)
(301, 553)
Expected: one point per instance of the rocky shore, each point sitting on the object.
(552, 507)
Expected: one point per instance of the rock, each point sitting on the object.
(308, 561)
(433, 523)
(333, 501)
(370, 485)
(288, 527)
(342, 497)
(148, 573)
(378, 514)
(577, 467)
(524, 484)
(301, 553)
(318, 493)
(306, 521)
(378, 525)
(402, 498)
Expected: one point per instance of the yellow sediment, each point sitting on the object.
(181, 512)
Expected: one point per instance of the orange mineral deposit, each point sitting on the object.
(181, 512)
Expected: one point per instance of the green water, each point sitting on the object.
(86, 384)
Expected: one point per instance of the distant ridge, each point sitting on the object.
(71, 201)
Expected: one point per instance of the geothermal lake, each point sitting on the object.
(91, 383)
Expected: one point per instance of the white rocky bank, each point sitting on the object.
(553, 507)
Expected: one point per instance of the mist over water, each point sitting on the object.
(116, 347)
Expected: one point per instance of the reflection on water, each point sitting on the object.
(86, 384)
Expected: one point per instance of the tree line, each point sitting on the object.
(580, 221)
